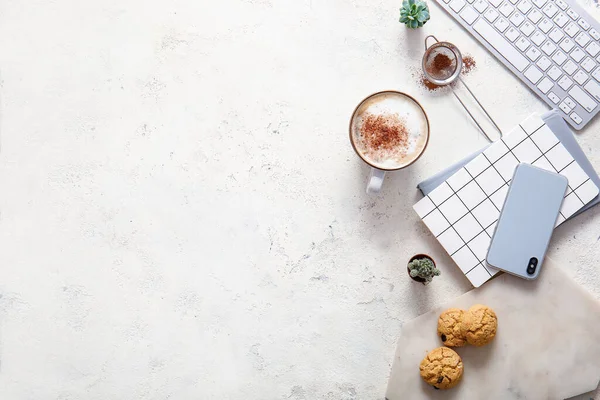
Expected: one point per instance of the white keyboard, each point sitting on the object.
(551, 45)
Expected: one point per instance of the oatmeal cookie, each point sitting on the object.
(442, 368)
(449, 328)
(479, 325)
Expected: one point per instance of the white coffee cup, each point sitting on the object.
(415, 124)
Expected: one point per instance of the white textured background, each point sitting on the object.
(182, 215)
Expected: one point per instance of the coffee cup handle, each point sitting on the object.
(375, 181)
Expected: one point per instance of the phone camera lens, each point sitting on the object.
(533, 261)
(532, 266)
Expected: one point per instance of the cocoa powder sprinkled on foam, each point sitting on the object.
(384, 132)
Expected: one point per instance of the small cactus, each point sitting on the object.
(423, 268)
(414, 13)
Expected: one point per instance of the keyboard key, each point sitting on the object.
(576, 118)
(514, 1)
(593, 88)
(457, 5)
(501, 45)
(469, 15)
(545, 25)
(535, 16)
(572, 29)
(470, 1)
(567, 45)
(596, 74)
(533, 74)
(538, 38)
(565, 108)
(559, 57)
(550, 10)
(533, 54)
(517, 19)
(527, 28)
(561, 4)
(571, 13)
(561, 19)
(480, 5)
(544, 63)
(539, 3)
(553, 97)
(583, 24)
(491, 15)
(570, 67)
(501, 24)
(506, 9)
(577, 54)
(511, 34)
(554, 72)
(594, 33)
(545, 85)
(524, 6)
(548, 47)
(522, 44)
(495, 3)
(565, 82)
(569, 101)
(582, 98)
(556, 35)
(588, 64)
(593, 49)
(580, 77)
(582, 39)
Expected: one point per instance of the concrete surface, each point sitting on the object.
(183, 217)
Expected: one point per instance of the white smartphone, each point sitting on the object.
(527, 221)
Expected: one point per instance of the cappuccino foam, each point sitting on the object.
(390, 130)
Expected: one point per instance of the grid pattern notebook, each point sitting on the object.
(462, 212)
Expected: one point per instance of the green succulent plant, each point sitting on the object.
(423, 268)
(414, 13)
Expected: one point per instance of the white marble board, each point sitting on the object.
(547, 345)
